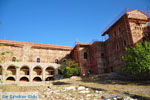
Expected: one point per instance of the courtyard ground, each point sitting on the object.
(86, 88)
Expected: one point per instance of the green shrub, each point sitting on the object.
(70, 68)
(137, 60)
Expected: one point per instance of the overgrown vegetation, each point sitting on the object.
(137, 61)
(70, 68)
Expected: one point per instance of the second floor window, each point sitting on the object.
(38, 60)
(102, 54)
(85, 55)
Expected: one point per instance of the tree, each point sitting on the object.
(137, 60)
(70, 68)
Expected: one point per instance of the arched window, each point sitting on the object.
(24, 79)
(24, 70)
(38, 60)
(49, 79)
(50, 71)
(37, 79)
(85, 55)
(11, 70)
(56, 61)
(37, 70)
(10, 79)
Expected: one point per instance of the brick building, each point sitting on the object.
(130, 28)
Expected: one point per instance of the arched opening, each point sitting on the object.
(37, 70)
(24, 70)
(24, 79)
(37, 79)
(1, 70)
(49, 79)
(50, 71)
(11, 70)
(10, 79)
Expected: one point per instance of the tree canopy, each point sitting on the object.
(137, 59)
(70, 68)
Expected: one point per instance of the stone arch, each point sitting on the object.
(10, 79)
(37, 70)
(37, 79)
(1, 70)
(24, 70)
(50, 71)
(49, 79)
(11, 70)
(24, 79)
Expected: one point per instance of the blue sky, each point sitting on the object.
(60, 22)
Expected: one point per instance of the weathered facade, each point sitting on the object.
(30, 62)
(90, 57)
(130, 28)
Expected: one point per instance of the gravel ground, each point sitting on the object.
(76, 89)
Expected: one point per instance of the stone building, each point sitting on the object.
(98, 57)
(90, 57)
(130, 28)
(33, 62)
(28, 62)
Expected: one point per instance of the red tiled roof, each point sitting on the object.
(36, 44)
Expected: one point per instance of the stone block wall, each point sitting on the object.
(16, 72)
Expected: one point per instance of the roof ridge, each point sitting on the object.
(39, 44)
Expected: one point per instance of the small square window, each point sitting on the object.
(38, 60)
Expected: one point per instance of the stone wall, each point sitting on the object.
(97, 54)
(17, 72)
(30, 53)
(30, 62)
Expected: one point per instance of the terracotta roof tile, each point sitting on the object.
(36, 44)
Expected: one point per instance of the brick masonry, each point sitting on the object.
(105, 56)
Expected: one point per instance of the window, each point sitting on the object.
(38, 60)
(85, 55)
(117, 46)
(102, 54)
(137, 23)
(115, 33)
(14, 59)
(119, 29)
(125, 43)
(56, 61)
